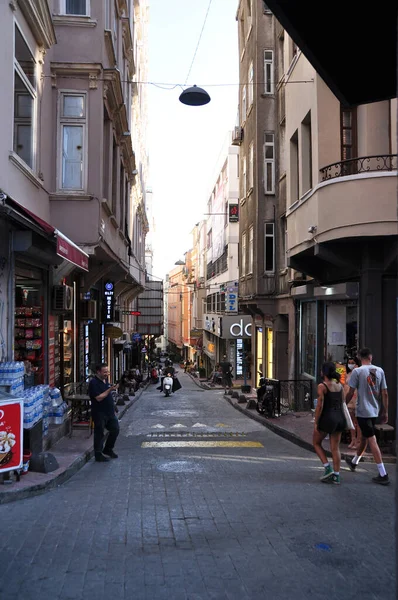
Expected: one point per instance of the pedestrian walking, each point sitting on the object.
(329, 419)
(103, 414)
(372, 402)
(351, 364)
(226, 368)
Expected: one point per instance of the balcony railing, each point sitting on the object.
(361, 164)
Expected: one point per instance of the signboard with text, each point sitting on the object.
(233, 213)
(109, 301)
(11, 434)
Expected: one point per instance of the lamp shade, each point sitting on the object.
(195, 96)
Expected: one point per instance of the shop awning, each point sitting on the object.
(65, 248)
(70, 251)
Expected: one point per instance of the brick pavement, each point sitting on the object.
(200, 523)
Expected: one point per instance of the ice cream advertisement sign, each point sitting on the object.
(11, 435)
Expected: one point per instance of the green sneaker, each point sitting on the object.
(336, 479)
(328, 472)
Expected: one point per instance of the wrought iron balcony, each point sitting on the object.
(361, 164)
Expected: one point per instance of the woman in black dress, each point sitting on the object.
(329, 419)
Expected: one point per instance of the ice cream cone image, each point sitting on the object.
(7, 441)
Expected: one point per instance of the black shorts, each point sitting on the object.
(367, 426)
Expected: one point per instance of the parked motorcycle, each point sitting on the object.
(168, 385)
(267, 397)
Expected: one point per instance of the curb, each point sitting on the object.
(295, 439)
(78, 463)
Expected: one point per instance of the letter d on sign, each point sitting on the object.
(240, 328)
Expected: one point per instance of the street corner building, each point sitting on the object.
(73, 177)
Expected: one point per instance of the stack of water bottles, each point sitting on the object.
(46, 408)
(33, 405)
(12, 374)
(58, 408)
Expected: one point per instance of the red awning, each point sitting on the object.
(70, 251)
(65, 247)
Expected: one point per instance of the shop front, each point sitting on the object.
(229, 335)
(328, 327)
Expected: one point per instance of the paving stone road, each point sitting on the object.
(197, 522)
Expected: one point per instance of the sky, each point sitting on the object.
(184, 142)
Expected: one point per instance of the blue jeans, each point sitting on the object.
(101, 422)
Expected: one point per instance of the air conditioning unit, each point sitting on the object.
(88, 310)
(62, 298)
(237, 136)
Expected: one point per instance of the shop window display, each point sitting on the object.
(29, 332)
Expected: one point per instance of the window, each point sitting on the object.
(24, 100)
(244, 104)
(284, 245)
(349, 148)
(268, 72)
(251, 250)
(251, 84)
(251, 166)
(243, 255)
(72, 114)
(244, 190)
(269, 163)
(306, 154)
(294, 168)
(269, 247)
(75, 7)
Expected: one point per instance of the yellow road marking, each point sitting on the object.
(201, 444)
(222, 425)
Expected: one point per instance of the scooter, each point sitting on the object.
(266, 398)
(167, 386)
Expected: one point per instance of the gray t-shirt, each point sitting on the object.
(369, 380)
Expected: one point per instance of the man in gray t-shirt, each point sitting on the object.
(372, 402)
(370, 381)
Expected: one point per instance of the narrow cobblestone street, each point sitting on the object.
(214, 516)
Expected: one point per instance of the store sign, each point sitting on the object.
(69, 251)
(102, 343)
(239, 357)
(109, 300)
(132, 313)
(239, 329)
(233, 211)
(231, 298)
(11, 435)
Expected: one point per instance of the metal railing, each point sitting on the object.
(361, 164)
(294, 395)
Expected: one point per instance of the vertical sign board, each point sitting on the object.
(109, 301)
(239, 356)
(233, 210)
(11, 434)
(231, 298)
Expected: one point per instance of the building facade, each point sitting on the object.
(72, 237)
(264, 277)
(225, 330)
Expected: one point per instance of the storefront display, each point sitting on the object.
(30, 322)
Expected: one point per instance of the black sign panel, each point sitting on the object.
(109, 301)
(233, 211)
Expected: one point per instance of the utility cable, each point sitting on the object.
(197, 45)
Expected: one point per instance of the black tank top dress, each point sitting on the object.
(332, 417)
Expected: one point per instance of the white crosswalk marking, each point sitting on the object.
(178, 426)
(199, 425)
(158, 426)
